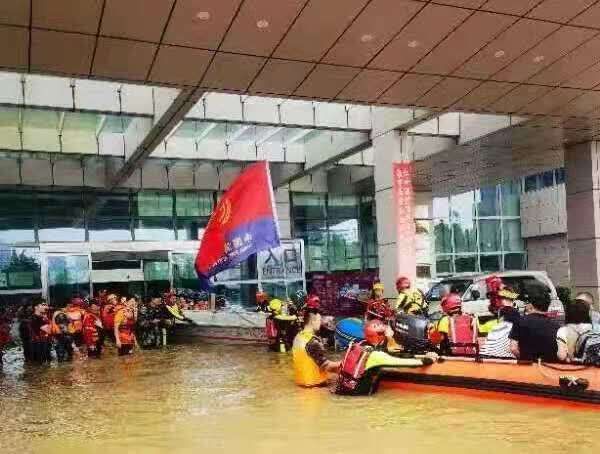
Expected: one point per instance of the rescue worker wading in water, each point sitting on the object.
(410, 301)
(93, 336)
(311, 366)
(361, 368)
(124, 330)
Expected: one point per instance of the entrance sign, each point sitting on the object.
(243, 223)
(285, 262)
(404, 203)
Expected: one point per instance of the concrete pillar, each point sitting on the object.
(282, 204)
(389, 148)
(582, 163)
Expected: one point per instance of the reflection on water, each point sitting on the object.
(199, 398)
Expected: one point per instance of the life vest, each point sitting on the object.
(271, 329)
(75, 315)
(91, 328)
(126, 328)
(108, 315)
(306, 371)
(353, 368)
(462, 335)
(56, 328)
(411, 302)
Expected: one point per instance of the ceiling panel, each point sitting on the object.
(484, 95)
(589, 18)
(447, 92)
(371, 30)
(14, 56)
(559, 10)
(465, 41)
(180, 65)
(118, 19)
(368, 85)
(520, 96)
(507, 47)
(67, 53)
(122, 59)
(200, 23)
(408, 89)
(232, 72)
(326, 81)
(463, 3)
(15, 12)
(69, 15)
(553, 47)
(570, 65)
(551, 101)
(425, 31)
(517, 7)
(317, 28)
(280, 77)
(587, 79)
(582, 105)
(260, 25)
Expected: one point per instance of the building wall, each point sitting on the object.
(551, 254)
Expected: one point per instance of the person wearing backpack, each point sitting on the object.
(455, 332)
(578, 324)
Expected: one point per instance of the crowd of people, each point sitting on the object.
(84, 326)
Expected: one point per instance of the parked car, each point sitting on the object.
(473, 291)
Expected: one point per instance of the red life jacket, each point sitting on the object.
(127, 329)
(271, 329)
(91, 330)
(462, 335)
(352, 368)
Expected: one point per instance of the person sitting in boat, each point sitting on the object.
(311, 365)
(455, 332)
(572, 335)
(497, 342)
(409, 301)
(377, 306)
(534, 337)
(361, 367)
(494, 285)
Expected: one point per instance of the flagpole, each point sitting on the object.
(212, 305)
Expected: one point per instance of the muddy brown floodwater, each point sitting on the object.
(205, 399)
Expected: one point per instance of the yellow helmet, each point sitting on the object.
(275, 306)
(378, 286)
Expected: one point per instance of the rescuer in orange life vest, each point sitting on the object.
(93, 335)
(311, 366)
(124, 329)
(75, 311)
(455, 332)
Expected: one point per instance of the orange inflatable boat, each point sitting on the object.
(578, 383)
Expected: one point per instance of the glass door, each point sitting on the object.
(66, 275)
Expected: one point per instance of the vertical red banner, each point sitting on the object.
(404, 204)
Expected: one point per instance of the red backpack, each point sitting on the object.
(462, 335)
(352, 368)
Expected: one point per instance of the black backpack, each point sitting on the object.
(587, 348)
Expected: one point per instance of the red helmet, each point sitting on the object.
(375, 332)
(451, 303)
(313, 302)
(494, 284)
(261, 297)
(402, 282)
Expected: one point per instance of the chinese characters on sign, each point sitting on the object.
(404, 217)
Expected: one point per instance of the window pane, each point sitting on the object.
(487, 199)
(548, 179)
(465, 264)
(194, 204)
(108, 217)
(443, 264)
(489, 236)
(108, 205)
(184, 273)
(16, 230)
(490, 263)
(311, 206)
(154, 229)
(441, 207)
(19, 268)
(68, 275)
(531, 183)
(513, 242)
(109, 229)
(465, 237)
(190, 228)
(443, 237)
(17, 205)
(511, 199)
(153, 203)
(559, 174)
(341, 207)
(514, 262)
(61, 217)
(344, 247)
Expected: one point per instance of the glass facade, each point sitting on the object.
(479, 231)
(544, 180)
(339, 231)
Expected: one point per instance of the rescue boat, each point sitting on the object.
(571, 382)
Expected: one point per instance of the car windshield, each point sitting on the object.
(450, 285)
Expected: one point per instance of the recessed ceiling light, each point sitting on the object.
(539, 59)
(413, 44)
(366, 38)
(263, 23)
(203, 15)
(499, 54)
